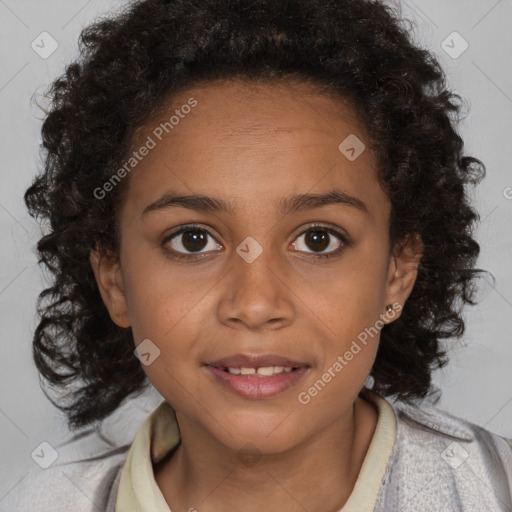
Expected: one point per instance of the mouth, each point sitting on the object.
(261, 371)
(257, 376)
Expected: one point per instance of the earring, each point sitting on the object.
(389, 308)
(369, 382)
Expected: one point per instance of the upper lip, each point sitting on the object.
(254, 361)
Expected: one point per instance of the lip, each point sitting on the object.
(256, 386)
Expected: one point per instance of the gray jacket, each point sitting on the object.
(439, 463)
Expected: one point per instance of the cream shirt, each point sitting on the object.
(139, 492)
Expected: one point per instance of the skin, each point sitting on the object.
(254, 144)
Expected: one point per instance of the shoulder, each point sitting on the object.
(81, 485)
(442, 462)
(85, 475)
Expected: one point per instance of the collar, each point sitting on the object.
(159, 434)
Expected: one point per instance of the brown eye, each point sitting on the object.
(194, 240)
(317, 239)
(190, 240)
(320, 241)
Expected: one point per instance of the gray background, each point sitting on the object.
(476, 385)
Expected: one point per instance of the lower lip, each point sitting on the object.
(252, 386)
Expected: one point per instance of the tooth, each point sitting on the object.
(266, 370)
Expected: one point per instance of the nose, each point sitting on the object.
(256, 295)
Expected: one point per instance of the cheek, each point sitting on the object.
(348, 298)
(161, 294)
(168, 304)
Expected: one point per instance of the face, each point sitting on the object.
(283, 268)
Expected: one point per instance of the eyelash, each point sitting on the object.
(345, 242)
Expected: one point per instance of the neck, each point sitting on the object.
(206, 475)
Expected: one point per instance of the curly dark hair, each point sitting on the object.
(131, 62)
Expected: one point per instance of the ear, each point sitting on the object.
(108, 274)
(402, 272)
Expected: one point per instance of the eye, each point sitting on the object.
(190, 241)
(320, 239)
(193, 241)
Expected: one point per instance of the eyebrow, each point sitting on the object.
(292, 204)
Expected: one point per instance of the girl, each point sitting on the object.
(261, 209)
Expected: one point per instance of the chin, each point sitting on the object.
(266, 433)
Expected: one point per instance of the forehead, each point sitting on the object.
(246, 141)
(248, 110)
